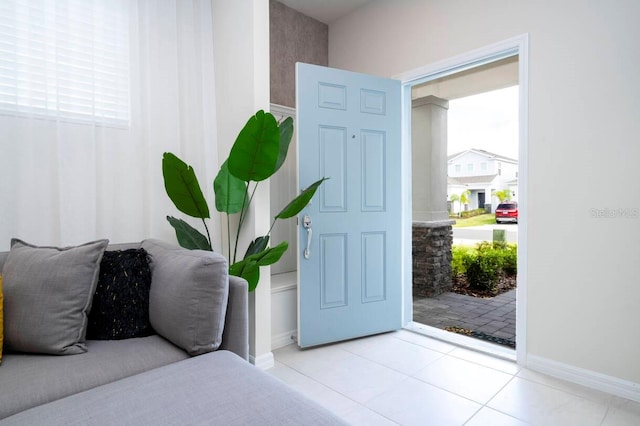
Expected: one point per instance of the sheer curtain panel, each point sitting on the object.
(92, 92)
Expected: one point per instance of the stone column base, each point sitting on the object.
(431, 251)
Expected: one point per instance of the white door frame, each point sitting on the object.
(515, 46)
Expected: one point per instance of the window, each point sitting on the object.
(470, 167)
(65, 59)
(483, 166)
(458, 168)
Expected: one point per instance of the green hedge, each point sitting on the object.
(484, 264)
(471, 213)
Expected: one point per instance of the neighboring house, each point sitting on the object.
(481, 172)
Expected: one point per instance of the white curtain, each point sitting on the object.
(66, 180)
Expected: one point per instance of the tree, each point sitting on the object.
(454, 198)
(502, 195)
(464, 197)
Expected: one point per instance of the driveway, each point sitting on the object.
(474, 234)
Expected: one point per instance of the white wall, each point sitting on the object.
(476, 160)
(241, 55)
(584, 99)
(509, 171)
(284, 188)
(284, 279)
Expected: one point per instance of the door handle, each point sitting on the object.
(306, 222)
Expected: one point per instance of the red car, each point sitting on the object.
(507, 212)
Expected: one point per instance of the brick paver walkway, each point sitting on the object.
(494, 317)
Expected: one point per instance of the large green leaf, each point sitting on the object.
(247, 269)
(231, 192)
(257, 245)
(188, 237)
(269, 256)
(182, 187)
(286, 133)
(255, 153)
(297, 204)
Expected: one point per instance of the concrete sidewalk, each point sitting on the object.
(495, 317)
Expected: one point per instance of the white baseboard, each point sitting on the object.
(588, 378)
(282, 339)
(263, 362)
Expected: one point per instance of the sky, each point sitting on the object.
(486, 121)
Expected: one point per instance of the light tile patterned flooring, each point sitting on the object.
(409, 379)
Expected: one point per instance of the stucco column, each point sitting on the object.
(429, 158)
(244, 57)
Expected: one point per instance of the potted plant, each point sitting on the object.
(257, 154)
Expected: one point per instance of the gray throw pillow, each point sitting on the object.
(47, 296)
(188, 297)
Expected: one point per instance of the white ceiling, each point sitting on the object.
(325, 11)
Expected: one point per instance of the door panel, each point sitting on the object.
(373, 171)
(333, 156)
(333, 273)
(349, 131)
(373, 263)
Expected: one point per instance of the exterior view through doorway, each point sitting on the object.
(474, 307)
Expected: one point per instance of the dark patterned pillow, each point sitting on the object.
(120, 308)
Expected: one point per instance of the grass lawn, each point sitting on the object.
(483, 219)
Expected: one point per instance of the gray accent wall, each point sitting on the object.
(294, 37)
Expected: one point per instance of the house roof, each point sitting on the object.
(491, 155)
(454, 181)
(470, 180)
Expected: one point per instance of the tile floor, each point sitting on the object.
(410, 379)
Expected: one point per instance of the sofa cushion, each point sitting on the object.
(120, 308)
(29, 380)
(213, 389)
(48, 293)
(188, 297)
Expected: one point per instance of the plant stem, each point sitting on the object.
(244, 206)
(272, 225)
(243, 215)
(208, 235)
(228, 235)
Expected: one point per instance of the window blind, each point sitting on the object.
(66, 59)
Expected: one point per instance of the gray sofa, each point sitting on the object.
(170, 378)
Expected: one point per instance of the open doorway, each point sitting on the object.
(477, 297)
(285, 289)
(432, 92)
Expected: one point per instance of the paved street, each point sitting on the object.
(474, 234)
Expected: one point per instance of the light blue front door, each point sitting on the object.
(350, 276)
